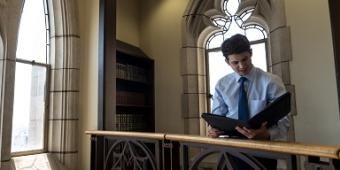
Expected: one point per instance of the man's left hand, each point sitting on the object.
(261, 133)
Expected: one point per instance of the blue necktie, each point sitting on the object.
(243, 109)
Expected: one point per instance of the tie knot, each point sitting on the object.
(243, 79)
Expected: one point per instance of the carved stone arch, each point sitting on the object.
(10, 13)
(1, 65)
(64, 84)
(197, 27)
(2, 47)
(246, 4)
(193, 68)
(64, 90)
(206, 34)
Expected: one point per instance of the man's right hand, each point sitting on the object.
(214, 133)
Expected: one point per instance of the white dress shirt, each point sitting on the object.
(262, 88)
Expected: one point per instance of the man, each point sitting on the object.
(259, 88)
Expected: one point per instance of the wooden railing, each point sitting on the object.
(160, 151)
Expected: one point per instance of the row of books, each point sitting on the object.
(130, 122)
(130, 98)
(131, 72)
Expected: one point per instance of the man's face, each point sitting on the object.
(240, 63)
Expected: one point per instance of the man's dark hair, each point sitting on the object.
(235, 45)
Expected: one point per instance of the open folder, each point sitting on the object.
(271, 114)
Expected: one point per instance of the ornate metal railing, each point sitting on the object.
(158, 151)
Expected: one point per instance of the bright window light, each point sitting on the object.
(29, 108)
(32, 32)
(31, 71)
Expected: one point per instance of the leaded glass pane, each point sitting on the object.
(220, 22)
(233, 29)
(259, 55)
(216, 40)
(29, 108)
(217, 68)
(231, 6)
(254, 34)
(233, 24)
(30, 79)
(244, 16)
(238, 21)
(32, 37)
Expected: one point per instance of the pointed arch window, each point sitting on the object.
(31, 75)
(229, 25)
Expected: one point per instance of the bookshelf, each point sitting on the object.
(134, 89)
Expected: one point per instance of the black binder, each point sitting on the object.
(272, 114)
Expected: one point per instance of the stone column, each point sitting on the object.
(194, 97)
(10, 13)
(64, 87)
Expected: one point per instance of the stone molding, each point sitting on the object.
(64, 85)
(64, 89)
(9, 26)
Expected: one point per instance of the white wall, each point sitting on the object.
(161, 39)
(89, 24)
(155, 27)
(313, 72)
(128, 21)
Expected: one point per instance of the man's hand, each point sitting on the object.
(214, 133)
(261, 133)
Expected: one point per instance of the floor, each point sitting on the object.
(36, 162)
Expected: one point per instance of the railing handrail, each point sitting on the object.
(273, 146)
(294, 148)
(144, 135)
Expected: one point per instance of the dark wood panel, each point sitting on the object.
(334, 8)
(106, 64)
(124, 71)
(135, 89)
(129, 49)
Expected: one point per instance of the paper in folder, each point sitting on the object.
(271, 114)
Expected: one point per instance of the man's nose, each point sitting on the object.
(241, 64)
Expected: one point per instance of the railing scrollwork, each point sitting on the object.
(128, 154)
(155, 151)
